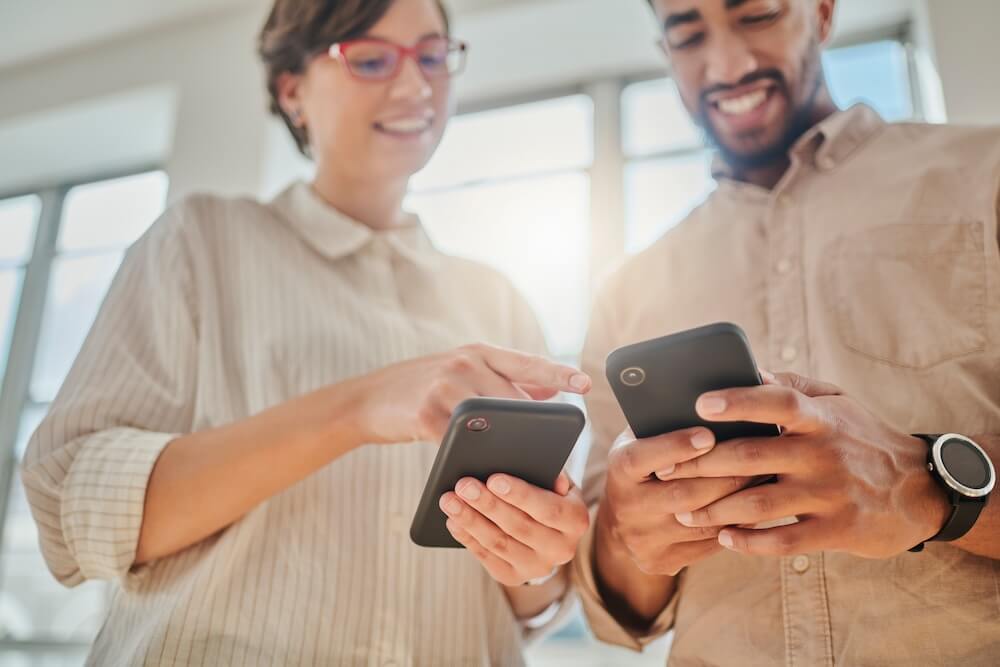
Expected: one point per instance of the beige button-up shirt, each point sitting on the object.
(224, 308)
(873, 264)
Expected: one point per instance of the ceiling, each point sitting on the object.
(31, 31)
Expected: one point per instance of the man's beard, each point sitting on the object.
(798, 123)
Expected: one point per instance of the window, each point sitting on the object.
(877, 73)
(517, 173)
(79, 253)
(668, 170)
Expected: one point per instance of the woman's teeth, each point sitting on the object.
(736, 106)
(407, 126)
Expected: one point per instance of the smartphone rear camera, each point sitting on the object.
(633, 377)
(478, 424)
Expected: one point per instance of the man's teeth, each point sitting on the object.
(407, 126)
(735, 106)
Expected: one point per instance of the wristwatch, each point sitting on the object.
(967, 475)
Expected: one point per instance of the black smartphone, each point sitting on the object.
(658, 382)
(529, 440)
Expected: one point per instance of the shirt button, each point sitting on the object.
(789, 353)
(784, 266)
(800, 564)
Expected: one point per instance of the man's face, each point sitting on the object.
(748, 70)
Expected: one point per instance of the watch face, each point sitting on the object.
(965, 463)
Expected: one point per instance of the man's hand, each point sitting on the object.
(855, 484)
(638, 510)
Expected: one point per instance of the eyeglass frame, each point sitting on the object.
(336, 52)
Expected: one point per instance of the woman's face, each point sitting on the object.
(383, 129)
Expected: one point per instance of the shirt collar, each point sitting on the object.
(336, 235)
(828, 143)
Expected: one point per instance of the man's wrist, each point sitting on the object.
(932, 505)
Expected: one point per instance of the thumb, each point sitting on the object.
(804, 385)
(563, 484)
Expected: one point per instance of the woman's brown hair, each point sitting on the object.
(296, 30)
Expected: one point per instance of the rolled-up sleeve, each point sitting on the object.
(129, 394)
(602, 623)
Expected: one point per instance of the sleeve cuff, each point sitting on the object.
(605, 626)
(104, 495)
(552, 618)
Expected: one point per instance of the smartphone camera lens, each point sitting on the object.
(633, 377)
(478, 424)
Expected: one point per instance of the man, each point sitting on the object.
(851, 251)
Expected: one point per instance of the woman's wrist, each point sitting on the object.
(342, 416)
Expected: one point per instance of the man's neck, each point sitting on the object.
(768, 176)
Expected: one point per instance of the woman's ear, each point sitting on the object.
(290, 99)
(827, 9)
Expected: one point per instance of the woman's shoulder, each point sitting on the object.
(202, 210)
(210, 223)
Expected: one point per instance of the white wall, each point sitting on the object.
(219, 112)
(967, 51)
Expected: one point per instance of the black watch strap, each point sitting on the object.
(965, 511)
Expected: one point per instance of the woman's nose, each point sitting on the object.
(411, 83)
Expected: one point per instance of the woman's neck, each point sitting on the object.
(375, 203)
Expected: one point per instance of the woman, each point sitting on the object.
(228, 443)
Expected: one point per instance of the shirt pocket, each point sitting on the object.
(910, 295)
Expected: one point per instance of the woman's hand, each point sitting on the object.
(414, 400)
(519, 532)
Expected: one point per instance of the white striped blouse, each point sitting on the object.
(224, 308)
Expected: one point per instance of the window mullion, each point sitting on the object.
(607, 183)
(15, 390)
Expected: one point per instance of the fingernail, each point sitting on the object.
(579, 382)
(452, 507)
(702, 440)
(726, 540)
(469, 491)
(711, 405)
(666, 472)
(767, 376)
(498, 485)
(685, 518)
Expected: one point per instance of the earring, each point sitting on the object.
(296, 117)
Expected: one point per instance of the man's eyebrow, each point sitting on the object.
(674, 20)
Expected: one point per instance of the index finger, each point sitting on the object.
(639, 459)
(532, 369)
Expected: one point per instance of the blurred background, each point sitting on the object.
(567, 133)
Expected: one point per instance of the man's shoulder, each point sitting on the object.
(965, 142)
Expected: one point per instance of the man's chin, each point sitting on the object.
(757, 156)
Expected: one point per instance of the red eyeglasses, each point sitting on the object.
(378, 60)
